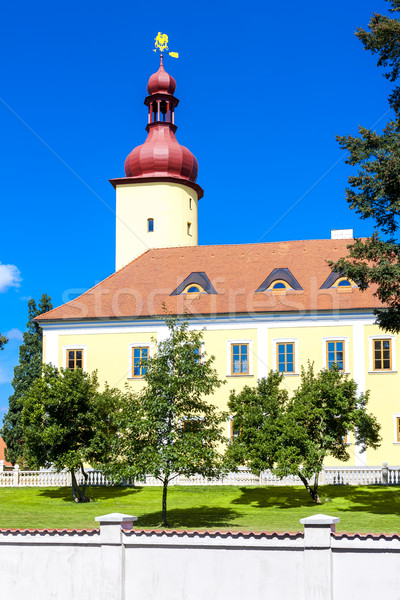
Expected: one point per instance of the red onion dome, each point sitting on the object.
(161, 81)
(161, 156)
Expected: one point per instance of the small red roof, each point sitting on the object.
(2, 452)
(144, 286)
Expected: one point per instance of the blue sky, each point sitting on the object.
(264, 89)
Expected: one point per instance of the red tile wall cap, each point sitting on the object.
(161, 81)
(367, 536)
(214, 534)
(81, 532)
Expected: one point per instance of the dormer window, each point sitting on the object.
(279, 287)
(338, 282)
(279, 281)
(344, 285)
(195, 284)
(193, 291)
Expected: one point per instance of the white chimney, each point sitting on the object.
(341, 234)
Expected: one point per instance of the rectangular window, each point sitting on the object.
(150, 225)
(335, 354)
(240, 359)
(346, 438)
(197, 353)
(139, 359)
(285, 357)
(234, 431)
(189, 229)
(74, 359)
(382, 355)
(192, 426)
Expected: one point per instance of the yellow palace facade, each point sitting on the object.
(261, 306)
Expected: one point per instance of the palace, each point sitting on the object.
(262, 306)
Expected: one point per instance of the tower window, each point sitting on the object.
(190, 203)
(150, 225)
(189, 229)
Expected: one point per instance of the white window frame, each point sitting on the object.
(148, 345)
(371, 353)
(229, 345)
(275, 343)
(336, 338)
(395, 417)
(65, 349)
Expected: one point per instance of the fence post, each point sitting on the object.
(112, 554)
(385, 473)
(16, 476)
(317, 556)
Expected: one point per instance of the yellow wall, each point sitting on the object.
(384, 402)
(170, 207)
(109, 353)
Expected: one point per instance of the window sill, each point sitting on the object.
(396, 443)
(240, 375)
(382, 372)
(289, 374)
(134, 378)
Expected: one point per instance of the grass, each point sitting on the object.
(362, 509)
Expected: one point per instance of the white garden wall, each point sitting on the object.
(121, 563)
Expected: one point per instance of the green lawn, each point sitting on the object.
(375, 509)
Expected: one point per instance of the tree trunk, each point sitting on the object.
(164, 503)
(78, 493)
(313, 491)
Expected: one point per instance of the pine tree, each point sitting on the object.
(28, 369)
(375, 191)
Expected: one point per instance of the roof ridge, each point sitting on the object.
(246, 244)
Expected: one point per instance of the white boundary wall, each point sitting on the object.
(119, 563)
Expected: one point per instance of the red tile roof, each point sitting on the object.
(142, 287)
(2, 450)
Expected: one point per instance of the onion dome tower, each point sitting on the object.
(157, 199)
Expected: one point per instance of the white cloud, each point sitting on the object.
(10, 276)
(14, 334)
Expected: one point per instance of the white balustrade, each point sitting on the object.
(386, 475)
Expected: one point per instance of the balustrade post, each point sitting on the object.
(16, 476)
(385, 473)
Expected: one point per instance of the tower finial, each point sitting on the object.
(161, 44)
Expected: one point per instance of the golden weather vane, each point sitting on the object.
(161, 43)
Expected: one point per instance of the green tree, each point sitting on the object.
(66, 421)
(3, 341)
(169, 428)
(293, 436)
(374, 192)
(28, 369)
